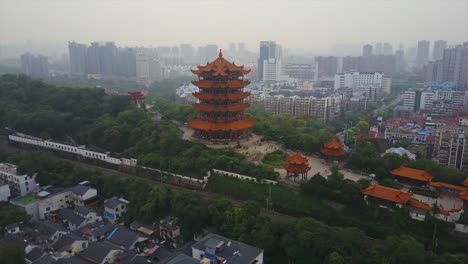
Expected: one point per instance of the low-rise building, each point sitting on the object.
(4, 192)
(169, 231)
(100, 253)
(19, 184)
(115, 208)
(385, 196)
(217, 249)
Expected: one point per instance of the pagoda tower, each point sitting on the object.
(333, 148)
(221, 101)
(298, 166)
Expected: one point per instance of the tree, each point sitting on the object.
(334, 258)
(11, 254)
(404, 249)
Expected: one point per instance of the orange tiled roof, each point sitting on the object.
(411, 173)
(233, 84)
(219, 97)
(463, 195)
(208, 126)
(220, 66)
(332, 152)
(420, 205)
(297, 158)
(334, 143)
(448, 186)
(220, 108)
(387, 194)
(465, 182)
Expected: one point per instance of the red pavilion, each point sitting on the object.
(298, 166)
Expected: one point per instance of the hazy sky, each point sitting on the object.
(297, 24)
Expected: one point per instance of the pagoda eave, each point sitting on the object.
(220, 97)
(231, 126)
(231, 84)
(218, 108)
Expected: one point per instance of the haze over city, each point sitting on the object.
(233, 131)
(304, 26)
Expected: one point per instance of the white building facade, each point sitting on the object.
(361, 80)
(19, 184)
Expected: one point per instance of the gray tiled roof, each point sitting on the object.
(124, 237)
(69, 215)
(65, 241)
(43, 227)
(72, 260)
(46, 259)
(246, 253)
(13, 239)
(113, 203)
(83, 210)
(183, 259)
(80, 189)
(35, 254)
(96, 252)
(106, 229)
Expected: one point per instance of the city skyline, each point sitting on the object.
(318, 26)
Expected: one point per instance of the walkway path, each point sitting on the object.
(255, 150)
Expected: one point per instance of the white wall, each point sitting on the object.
(54, 202)
(4, 192)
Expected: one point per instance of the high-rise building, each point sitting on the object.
(387, 49)
(270, 56)
(34, 65)
(93, 64)
(361, 81)
(455, 66)
(306, 72)
(107, 59)
(148, 66)
(433, 71)
(400, 62)
(187, 52)
(211, 52)
(77, 53)
(367, 50)
(438, 52)
(326, 66)
(379, 48)
(422, 54)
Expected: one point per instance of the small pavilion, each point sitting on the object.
(297, 167)
(333, 148)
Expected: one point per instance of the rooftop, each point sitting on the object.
(26, 199)
(389, 194)
(411, 173)
(229, 251)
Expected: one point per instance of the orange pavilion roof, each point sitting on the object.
(334, 143)
(465, 182)
(220, 108)
(208, 126)
(219, 97)
(233, 84)
(297, 158)
(388, 194)
(220, 66)
(463, 195)
(411, 173)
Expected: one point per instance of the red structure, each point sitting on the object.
(333, 148)
(298, 166)
(137, 96)
(221, 106)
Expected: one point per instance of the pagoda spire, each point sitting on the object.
(220, 53)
